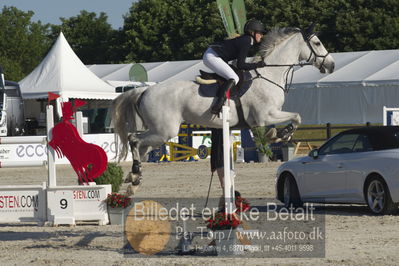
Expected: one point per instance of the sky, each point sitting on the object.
(49, 11)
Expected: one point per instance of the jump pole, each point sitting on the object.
(24, 140)
(18, 164)
(229, 197)
(52, 178)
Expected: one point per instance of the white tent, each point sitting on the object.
(62, 72)
(361, 85)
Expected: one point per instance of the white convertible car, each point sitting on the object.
(359, 166)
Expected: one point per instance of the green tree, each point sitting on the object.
(345, 25)
(368, 25)
(89, 35)
(160, 30)
(22, 43)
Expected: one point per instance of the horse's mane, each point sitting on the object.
(273, 38)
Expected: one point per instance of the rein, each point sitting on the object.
(289, 75)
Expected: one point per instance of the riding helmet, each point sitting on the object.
(254, 26)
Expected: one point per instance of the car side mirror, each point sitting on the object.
(314, 153)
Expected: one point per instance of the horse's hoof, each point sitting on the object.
(287, 138)
(129, 178)
(131, 190)
(137, 181)
(286, 132)
(271, 133)
(276, 140)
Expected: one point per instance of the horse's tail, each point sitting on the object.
(126, 118)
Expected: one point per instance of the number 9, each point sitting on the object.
(64, 204)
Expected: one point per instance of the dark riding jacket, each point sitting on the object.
(237, 48)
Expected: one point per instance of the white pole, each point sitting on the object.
(79, 123)
(23, 140)
(228, 182)
(52, 179)
(19, 164)
(384, 116)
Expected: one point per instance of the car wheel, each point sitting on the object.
(378, 197)
(290, 192)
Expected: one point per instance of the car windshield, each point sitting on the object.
(346, 143)
(339, 144)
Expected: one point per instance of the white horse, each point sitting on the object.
(164, 106)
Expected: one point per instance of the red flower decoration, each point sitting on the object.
(222, 221)
(116, 200)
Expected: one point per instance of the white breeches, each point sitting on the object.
(214, 62)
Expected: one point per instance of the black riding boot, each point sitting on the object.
(217, 107)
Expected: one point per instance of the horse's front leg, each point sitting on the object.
(278, 117)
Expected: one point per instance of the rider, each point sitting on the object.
(217, 56)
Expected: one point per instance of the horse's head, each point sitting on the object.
(314, 52)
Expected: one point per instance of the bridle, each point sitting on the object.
(313, 53)
(289, 75)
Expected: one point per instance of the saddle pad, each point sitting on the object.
(210, 90)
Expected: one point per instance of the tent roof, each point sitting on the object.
(62, 72)
(156, 71)
(365, 68)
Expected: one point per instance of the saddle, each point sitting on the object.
(210, 83)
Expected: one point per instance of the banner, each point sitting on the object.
(240, 15)
(227, 17)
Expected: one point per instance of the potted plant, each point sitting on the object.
(117, 200)
(262, 143)
(112, 175)
(117, 204)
